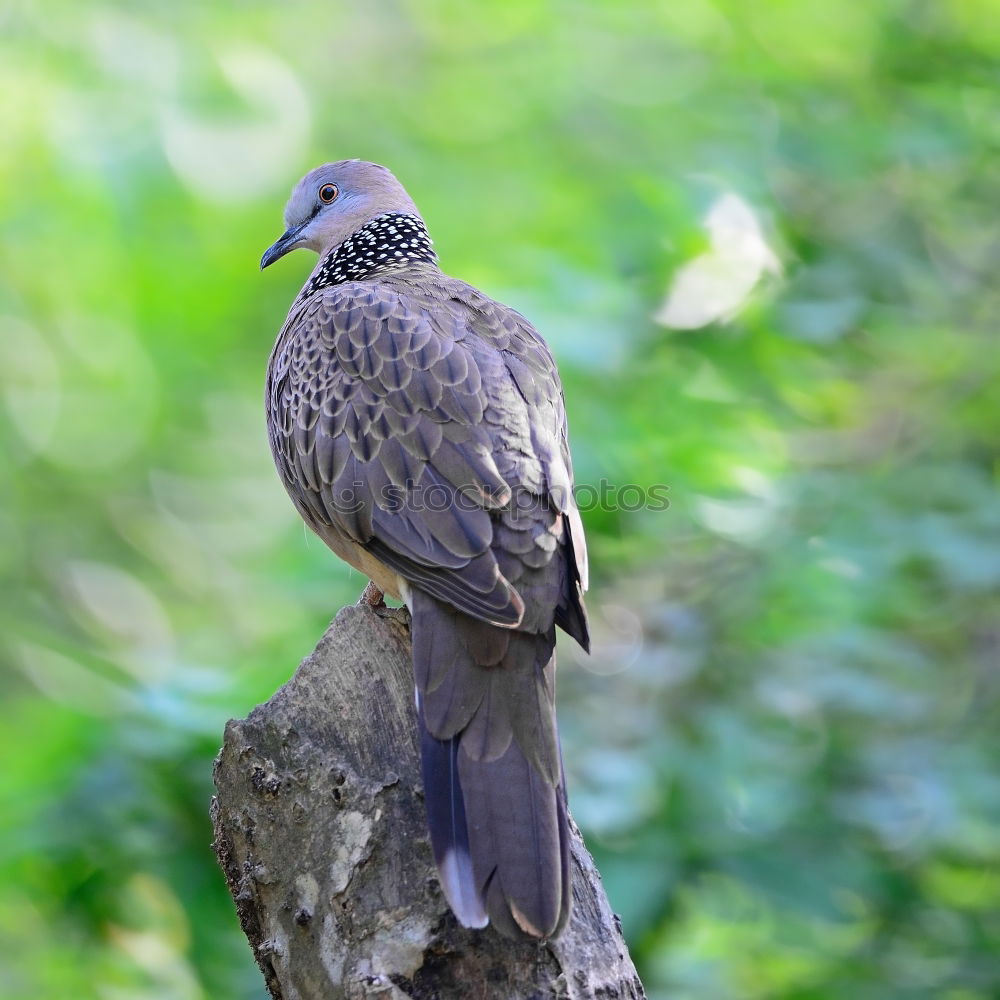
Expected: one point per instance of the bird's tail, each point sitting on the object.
(493, 780)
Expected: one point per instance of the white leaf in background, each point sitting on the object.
(715, 285)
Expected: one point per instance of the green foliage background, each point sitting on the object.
(783, 751)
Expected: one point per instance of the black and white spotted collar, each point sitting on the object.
(387, 242)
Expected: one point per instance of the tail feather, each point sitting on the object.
(492, 770)
(449, 831)
(565, 857)
(525, 689)
(516, 841)
(489, 733)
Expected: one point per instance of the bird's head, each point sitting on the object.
(334, 201)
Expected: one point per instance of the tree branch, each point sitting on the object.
(320, 830)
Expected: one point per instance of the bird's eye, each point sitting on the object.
(327, 193)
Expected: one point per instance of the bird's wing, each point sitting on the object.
(429, 428)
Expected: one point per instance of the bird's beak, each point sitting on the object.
(289, 241)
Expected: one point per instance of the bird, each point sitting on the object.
(419, 428)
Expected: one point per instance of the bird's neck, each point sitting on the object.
(387, 242)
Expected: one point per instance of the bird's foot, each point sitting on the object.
(371, 597)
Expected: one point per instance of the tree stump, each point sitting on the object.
(320, 830)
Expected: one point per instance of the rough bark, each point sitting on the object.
(320, 830)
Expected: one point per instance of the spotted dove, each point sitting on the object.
(419, 428)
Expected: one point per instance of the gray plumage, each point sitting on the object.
(419, 429)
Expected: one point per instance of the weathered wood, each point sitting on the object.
(320, 830)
